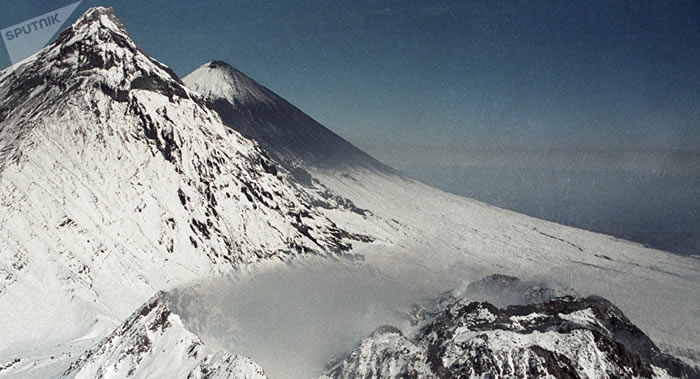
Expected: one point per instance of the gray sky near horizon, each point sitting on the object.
(397, 77)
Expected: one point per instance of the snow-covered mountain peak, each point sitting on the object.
(100, 17)
(218, 80)
(98, 44)
(94, 52)
(99, 31)
(140, 187)
(278, 126)
(92, 59)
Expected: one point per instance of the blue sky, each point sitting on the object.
(438, 76)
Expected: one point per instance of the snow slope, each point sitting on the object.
(440, 234)
(288, 133)
(116, 182)
(428, 234)
(153, 343)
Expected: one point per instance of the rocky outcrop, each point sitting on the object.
(561, 337)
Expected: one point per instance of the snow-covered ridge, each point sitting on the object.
(217, 80)
(294, 138)
(562, 337)
(116, 182)
(94, 53)
(154, 343)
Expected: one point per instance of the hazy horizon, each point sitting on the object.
(643, 196)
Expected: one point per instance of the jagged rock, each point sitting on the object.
(563, 337)
(153, 342)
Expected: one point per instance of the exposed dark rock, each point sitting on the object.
(461, 337)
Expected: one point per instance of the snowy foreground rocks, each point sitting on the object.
(563, 337)
(453, 336)
(153, 343)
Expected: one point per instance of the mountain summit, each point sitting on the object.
(115, 181)
(218, 80)
(292, 136)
